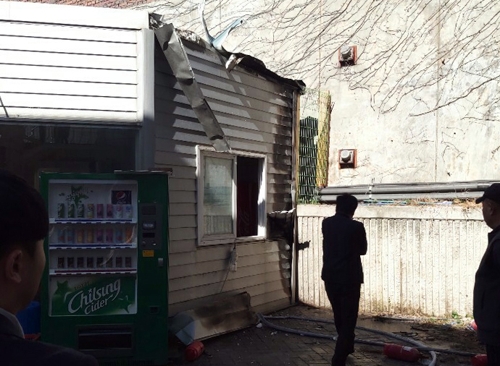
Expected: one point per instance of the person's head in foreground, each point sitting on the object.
(24, 223)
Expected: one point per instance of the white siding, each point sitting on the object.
(256, 116)
(71, 64)
(420, 260)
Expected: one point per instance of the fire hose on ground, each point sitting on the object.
(388, 348)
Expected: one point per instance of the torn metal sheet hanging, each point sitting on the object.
(219, 39)
(177, 58)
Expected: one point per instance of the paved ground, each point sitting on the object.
(262, 345)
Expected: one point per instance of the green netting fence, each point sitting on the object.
(314, 143)
(308, 155)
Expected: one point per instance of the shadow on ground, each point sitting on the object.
(262, 345)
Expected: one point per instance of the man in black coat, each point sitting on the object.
(344, 241)
(24, 223)
(487, 285)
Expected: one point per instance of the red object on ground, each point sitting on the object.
(397, 352)
(479, 360)
(32, 337)
(473, 325)
(194, 350)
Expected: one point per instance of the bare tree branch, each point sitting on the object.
(430, 55)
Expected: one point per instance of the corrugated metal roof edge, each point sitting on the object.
(250, 63)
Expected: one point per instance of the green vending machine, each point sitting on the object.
(105, 285)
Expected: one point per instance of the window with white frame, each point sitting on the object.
(231, 196)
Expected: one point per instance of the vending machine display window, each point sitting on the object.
(92, 247)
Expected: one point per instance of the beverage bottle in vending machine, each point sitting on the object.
(128, 211)
(99, 211)
(70, 235)
(99, 236)
(109, 236)
(80, 236)
(118, 235)
(80, 211)
(90, 211)
(129, 234)
(109, 211)
(90, 236)
(71, 211)
(118, 212)
(61, 235)
(61, 212)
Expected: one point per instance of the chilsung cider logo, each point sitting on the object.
(94, 298)
(102, 297)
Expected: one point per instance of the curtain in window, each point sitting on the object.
(218, 196)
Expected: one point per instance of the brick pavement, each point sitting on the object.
(264, 346)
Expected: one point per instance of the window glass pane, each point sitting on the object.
(218, 196)
(27, 150)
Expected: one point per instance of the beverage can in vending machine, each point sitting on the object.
(80, 262)
(90, 236)
(119, 235)
(109, 236)
(70, 236)
(61, 262)
(128, 211)
(90, 211)
(61, 236)
(71, 211)
(118, 262)
(128, 262)
(109, 263)
(99, 211)
(100, 262)
(71, 262)
(118, 212)
(99, 236)
(90, 262)
(80, 211)
(61, 208)
(109, 211)
(129, 234)
(80, 236)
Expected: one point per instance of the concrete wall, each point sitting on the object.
(420, 259)
(426, 111)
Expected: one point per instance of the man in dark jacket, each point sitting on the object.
(344, 241)
(487, 285)
(24, 223)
